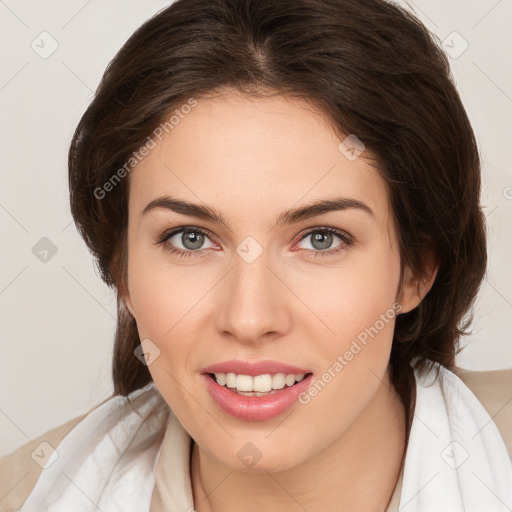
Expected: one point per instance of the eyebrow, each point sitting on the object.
(291, 216)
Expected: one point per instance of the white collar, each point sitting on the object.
(456, 459)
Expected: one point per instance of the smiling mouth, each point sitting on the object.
(257, 393)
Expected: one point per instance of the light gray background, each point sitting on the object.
(57, 317)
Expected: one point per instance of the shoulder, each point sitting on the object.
(494, 391)
(21, 468)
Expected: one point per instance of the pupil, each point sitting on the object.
(192, 239)
(323, 240)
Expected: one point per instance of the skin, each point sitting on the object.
(251, 159)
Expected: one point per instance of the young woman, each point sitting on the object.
(285, 196)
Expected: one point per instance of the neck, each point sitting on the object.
(367, 456)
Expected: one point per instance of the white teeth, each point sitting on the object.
(259, 383)
(230, 380)
(290, 380)
(278, 381)
(244, 383)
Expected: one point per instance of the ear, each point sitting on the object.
(415, 288)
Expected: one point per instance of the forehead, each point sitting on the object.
(258, 154)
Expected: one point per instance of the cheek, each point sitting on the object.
(358, 309)
(353, 296)
(163, 295)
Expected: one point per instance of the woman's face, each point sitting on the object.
(259, 283)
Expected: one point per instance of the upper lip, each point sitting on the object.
(254, 368)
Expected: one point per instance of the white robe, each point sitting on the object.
(456, 459)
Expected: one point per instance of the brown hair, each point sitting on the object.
(372, 68)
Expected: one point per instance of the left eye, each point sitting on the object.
(322, 239)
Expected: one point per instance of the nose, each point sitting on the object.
(253, 306)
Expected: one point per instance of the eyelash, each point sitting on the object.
(162, 241)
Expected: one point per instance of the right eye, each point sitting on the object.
(190, 238)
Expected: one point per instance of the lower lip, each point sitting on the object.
(255, 408)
